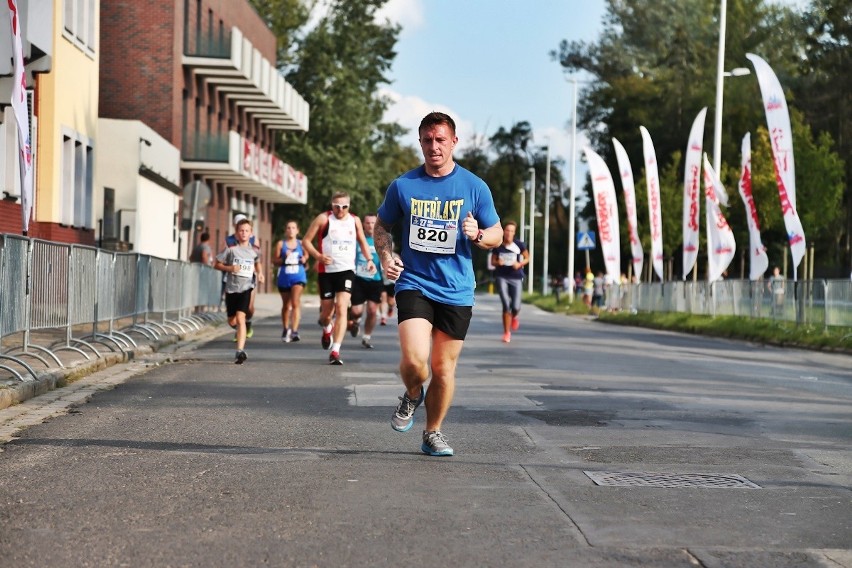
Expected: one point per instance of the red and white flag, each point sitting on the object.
(692, 192)
(606, 210)
(652, 180)
(721, 245)
(22, 117)
(630, 204)
(781, 140)
(758, 261)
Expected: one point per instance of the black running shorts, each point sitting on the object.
(452, 320)
(330, 283)
(238, 302)
(366, 290)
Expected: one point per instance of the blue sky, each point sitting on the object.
(487, 64)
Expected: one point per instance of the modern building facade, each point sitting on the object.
(201, 74)
(61, 52)
(137, 105)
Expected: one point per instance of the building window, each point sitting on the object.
(76, 178)
(108, 226)
(79, 23)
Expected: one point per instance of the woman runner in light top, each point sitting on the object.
(292, 278)
(509, 260)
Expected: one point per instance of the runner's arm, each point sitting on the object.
(307, 243)
(276, 258)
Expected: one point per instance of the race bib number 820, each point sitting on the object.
(433, 235)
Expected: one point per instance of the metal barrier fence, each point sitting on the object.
(823, 303)
(87, 301)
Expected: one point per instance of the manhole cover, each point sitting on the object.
(646, 479)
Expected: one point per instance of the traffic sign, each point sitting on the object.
(586, 240)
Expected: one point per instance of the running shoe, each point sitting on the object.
(403, 418)
(507, 337)
(435, 444)
(286, 336)
(365, 343)
(249, 330)
(326, 339)
(294, 336)
(334, 358)
(353, 328)
(240, 357)
(516, 323)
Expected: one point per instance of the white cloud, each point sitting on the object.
(409, 110)
(407, 13)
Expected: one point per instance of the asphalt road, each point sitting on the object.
(722, 454)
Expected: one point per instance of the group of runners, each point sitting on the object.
(444, 212)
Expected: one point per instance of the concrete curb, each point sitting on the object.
(50, 379)
(15, 392)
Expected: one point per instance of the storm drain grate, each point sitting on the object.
(668, 480)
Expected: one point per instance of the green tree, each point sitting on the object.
(655, 65)
(286, 18)
(338, 66)
(818, 194)
(825, 94)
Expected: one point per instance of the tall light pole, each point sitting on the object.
(720, 70)
(523, 213)
(545, 281)
(571, 212)
(717, 131)
(531, 243)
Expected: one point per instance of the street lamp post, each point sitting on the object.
(720, 70)
(523, 213)
(720, 78)
(545, 269)
(571, 212)
(531, 244)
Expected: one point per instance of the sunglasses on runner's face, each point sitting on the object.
(339, 206)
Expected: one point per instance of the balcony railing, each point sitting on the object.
(216, 45)
(203, 147)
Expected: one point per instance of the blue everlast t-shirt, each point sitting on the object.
(435, 252)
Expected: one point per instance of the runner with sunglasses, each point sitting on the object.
(340, 233)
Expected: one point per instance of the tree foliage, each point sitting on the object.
(825, 94)
(338, 66)
(655, 65)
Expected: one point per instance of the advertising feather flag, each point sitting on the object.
(652, 180)
(606, 210)
(758, 261)
(721, 245)
(692, 192)
(22, 117)
(781, 141)
(629, 189)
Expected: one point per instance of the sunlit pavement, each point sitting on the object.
(577, 444)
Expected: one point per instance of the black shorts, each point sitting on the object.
(389, 289)
(452, 320)
(366, 290)
(330, 283)
(238, 302)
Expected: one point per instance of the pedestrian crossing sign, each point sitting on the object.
(586, 240)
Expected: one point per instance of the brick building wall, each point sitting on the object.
(140, 61)
(10, 222)
(143, 78)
